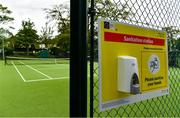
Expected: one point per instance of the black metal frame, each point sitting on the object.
(78, 58)
(92, 14)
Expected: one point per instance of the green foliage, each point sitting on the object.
(26, 36)
(104, 9)
(4, 33)
(178, 44)
(46, 35)
(4, 15)
(63, 42)
(173, 40)
(173, 45)
(109, 9)
(61, 15)
(4, 18)
(8, 51)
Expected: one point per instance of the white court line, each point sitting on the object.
(36, 70)
(47, 79)
(19, 72)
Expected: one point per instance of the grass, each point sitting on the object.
(34, 98)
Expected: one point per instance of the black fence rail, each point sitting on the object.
(156, 14)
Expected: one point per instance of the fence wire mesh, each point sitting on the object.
(156, 14)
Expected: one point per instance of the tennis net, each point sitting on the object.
(35, 61)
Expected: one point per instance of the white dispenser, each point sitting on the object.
(128, 77)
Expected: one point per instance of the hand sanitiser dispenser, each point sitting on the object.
(128, 78)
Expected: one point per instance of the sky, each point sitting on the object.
(33, 9)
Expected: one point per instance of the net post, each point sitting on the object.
(78, 58)
(5, 60)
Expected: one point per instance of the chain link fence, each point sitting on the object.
(156, 14)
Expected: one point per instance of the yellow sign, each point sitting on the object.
(133, 64)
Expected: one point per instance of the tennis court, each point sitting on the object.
(31, 70)
(31, 87)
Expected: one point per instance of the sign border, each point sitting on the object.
(131, 99)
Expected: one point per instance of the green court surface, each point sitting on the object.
(34, 90)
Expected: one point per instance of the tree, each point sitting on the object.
(4, 15)
(107, 9)
(173, 44)
(60, 14)
(178, 44)
(172, 37)
(27, 36)
(4, 18)
(61, 45)
(112, 10)
(46, 35)
(63, 42)
(104, 9)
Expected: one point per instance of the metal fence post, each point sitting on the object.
(92, 14)
(78, 58)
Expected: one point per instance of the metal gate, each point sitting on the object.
(156, 14)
